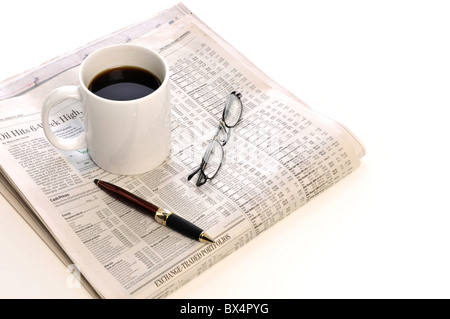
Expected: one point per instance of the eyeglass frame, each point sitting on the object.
(203, 177)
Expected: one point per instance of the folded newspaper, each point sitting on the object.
(280, 156)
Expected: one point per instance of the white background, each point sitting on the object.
(380, 67)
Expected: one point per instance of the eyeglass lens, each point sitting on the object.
(212, 159)
(233, 110)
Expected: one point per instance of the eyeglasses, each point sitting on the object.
(213, 157)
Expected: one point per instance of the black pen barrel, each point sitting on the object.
(184, 227)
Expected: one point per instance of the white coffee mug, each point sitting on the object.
(122, 137)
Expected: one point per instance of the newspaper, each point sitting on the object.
(281, 155)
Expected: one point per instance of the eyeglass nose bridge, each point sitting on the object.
(222, 126)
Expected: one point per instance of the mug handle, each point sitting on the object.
(58, 95)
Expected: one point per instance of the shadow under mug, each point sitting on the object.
(122, 137)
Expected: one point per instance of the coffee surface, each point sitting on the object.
(124, 83)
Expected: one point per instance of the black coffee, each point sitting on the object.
(124, 83)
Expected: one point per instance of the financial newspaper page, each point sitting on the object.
(281, 155)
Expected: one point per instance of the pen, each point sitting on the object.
(161, 215)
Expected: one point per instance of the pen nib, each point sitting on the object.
(205, 238)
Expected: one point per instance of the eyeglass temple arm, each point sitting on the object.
(205, 159)
(193, 173)
(201, 178)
